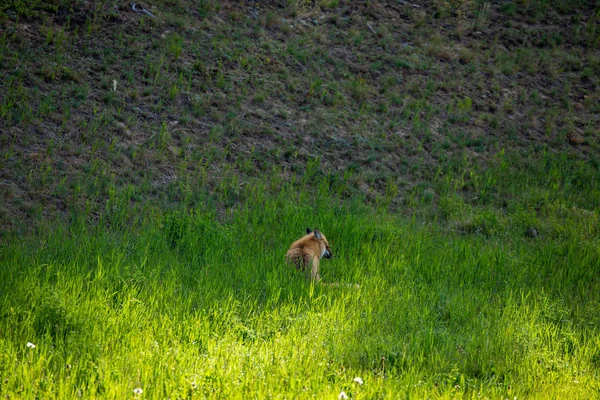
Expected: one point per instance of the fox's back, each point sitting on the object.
(308, 251)
(302, 251)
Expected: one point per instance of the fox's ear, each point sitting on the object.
(308, 231)
(318, 234)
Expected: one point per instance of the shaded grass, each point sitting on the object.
(118, 97)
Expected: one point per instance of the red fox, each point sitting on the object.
(308, 251)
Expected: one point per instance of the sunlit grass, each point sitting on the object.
(188, 304)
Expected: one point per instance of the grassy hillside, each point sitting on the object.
(155, 165)
(391, 101)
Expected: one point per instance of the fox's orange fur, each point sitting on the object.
(307, 252)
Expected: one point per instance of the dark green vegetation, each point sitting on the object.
(154, 169)
(394, 103)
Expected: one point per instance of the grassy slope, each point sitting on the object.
(390, 102)
(480, 122)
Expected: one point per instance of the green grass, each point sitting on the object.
(193, 304)
(154, 171)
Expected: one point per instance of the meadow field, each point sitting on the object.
(191, 305)
(156, 165)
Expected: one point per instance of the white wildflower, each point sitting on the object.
(138, 391)
(358, 380)
(30, 345)
(342, 395)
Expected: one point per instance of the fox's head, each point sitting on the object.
(322, 241)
